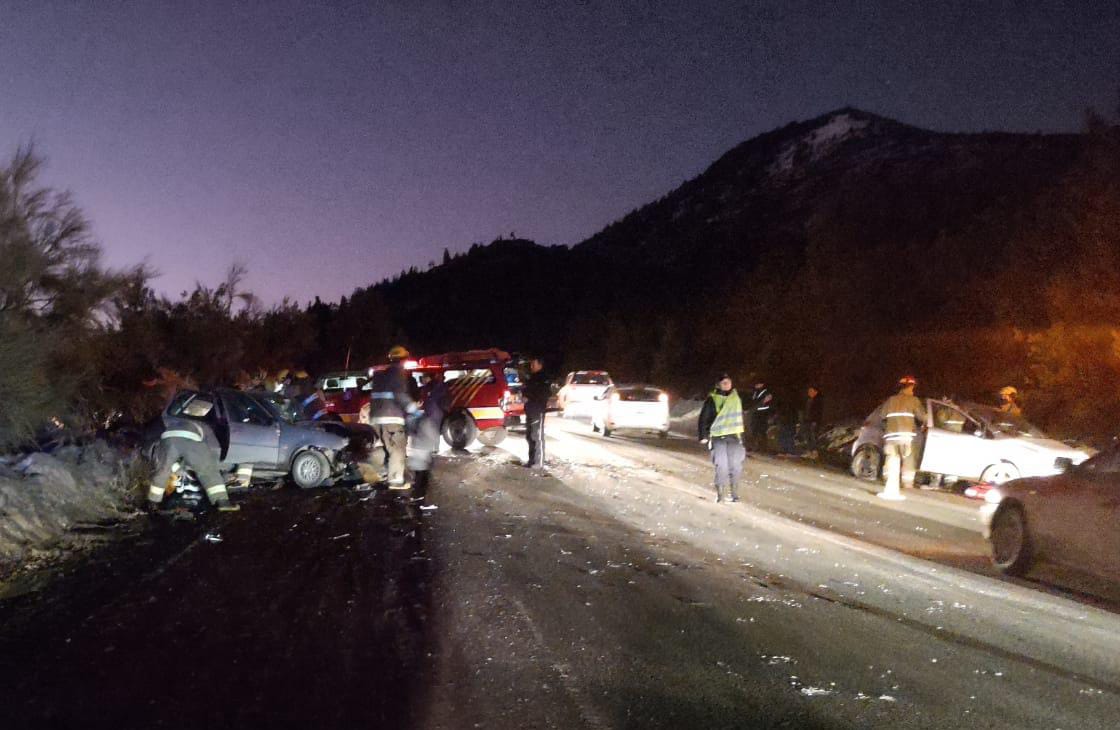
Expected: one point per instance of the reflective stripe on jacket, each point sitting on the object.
(729, 414)
(903, 415)
(185, 430)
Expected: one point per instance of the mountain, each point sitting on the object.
(841, 250)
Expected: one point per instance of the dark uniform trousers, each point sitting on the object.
(534, 434)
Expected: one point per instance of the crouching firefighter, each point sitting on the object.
(721, 428)
(185, 445)
(903, 414)
(390, 406)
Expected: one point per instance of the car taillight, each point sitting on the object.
(664, 397)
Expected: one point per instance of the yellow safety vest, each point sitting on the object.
(729, 414)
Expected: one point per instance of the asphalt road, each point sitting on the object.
(611, 591)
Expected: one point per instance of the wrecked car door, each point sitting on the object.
(254, 435)
(956, 443)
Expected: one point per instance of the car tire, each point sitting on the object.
(1012, 550)
(867, 463)
(310, 469)
(999, 473)
(459, 430)
(492, 436)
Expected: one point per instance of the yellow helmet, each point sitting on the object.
(1008, 390)
(398, 353)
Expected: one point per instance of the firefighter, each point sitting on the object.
(762, 400)
(425, 437)
(536, 392)
(1009, 401)
(721, 429)
(390, 407)
(903, 414)
(186, 445)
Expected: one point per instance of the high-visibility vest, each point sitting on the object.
(729, 414)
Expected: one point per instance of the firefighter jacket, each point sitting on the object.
(721, 415)
(902, 416)
(189, 430)
(390, 401)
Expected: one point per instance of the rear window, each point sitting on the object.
(591, 379)
(639, 394)
(344, 383)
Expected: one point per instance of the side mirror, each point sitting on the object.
(1063, 464)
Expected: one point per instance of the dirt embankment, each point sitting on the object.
(51, 504)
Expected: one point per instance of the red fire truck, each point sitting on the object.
(485, 393)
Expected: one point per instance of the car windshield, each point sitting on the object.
(591, 379)
(280, 407)
(1005, 423)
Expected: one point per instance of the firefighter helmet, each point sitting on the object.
(907, 380)
(1008, 391)
(398, 353)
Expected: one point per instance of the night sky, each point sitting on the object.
(328, 145)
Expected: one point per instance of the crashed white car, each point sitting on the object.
(581, 388)
(631, 408)
(969, 441)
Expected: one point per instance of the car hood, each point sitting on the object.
(1045, 447)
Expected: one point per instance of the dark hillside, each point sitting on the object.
(841, 250)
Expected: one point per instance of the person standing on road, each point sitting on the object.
(390, 407)
(424, 443)
(186, 446)
(721, 429)
(903, 414)
(762, 401)
(536, 393)
(810, 418)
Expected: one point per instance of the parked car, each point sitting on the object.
(580, 389)
(251, 431)
(1071, 519)
(968, 441)
(631, 407)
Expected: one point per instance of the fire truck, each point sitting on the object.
(485, 393)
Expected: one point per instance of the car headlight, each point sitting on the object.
(993, 496)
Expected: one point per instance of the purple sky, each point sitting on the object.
(328, 145)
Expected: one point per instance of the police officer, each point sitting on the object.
(762, 400)
(186, 445)
(721, 429)
(902, 414)
(536, 392)
(390, 406)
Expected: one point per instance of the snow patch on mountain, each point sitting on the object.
(819, 142)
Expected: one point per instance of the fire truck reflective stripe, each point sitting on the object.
(382, 395)
(216, 491)
(155, 493)
(489, 413)
(179, 434)
(903, 414)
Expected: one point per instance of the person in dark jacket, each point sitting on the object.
(811, 417)
(391, 406)
(762, 402)
(720, 427)
(535, 393)
(425, 436)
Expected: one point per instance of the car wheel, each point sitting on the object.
(867, 463)
(999, 473)
(310, 469)
(1012, 551)
(459, 430)
(492, 436)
